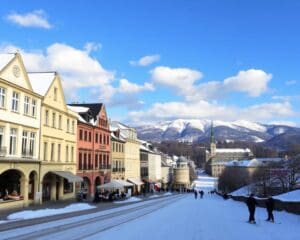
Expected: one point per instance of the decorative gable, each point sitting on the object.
(55, 95)
(15, 72)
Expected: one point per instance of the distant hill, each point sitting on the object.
(275, 136)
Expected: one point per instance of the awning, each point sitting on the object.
(124, 183)
(69, 176)
(135, 181)
(115, 184)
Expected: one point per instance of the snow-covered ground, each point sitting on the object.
(180, 216)
(293, 196)
(209, 218)
(29, 214)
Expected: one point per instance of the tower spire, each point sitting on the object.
(212, 137)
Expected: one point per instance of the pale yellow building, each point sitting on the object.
(181, 174)
(58, 139)
(132, 155)
(117, 156)
(19, 134)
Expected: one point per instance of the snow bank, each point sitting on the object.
(132, 199)
(29, 214)
(293, 196)
(154, 196)
(243, 191)
(167, 194)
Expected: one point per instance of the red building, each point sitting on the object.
(93, 145)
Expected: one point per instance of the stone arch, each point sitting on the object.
(86, 185)
(32, 185)
(13, 184)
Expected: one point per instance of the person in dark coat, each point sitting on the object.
(196, 194)
(96, 197)
(201, 194)
(251, 203)
(270, 208)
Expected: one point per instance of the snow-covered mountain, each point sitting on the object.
(199, 131)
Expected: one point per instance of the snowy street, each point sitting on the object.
(179, 216)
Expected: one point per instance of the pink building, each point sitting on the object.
(93, 146)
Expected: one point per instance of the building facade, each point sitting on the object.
(117, 155)
(19, 134)
(58, 139)
(93, 146)
(215, 157)
(181, 174)
(132, 155)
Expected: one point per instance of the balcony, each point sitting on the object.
(118, 169)
(3, 151)
(105, 167)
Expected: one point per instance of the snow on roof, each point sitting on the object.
(5, 58)
(117, 138)
(233, 150)
(252, 163)
(293, 196)
(41, 82)
(78, 109)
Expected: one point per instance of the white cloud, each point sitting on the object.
(285, 123)
(254, 82)
(146, 60)
(206, 110)
(76, 67)
(91, 46)
(290, 82)
(180, 79)
(268, 111)
(129, 87)
(36, 18)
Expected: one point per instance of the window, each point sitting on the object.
(73, 127)
(55, 94)
(24, 143)
(113, 146)
(90, 161)
(67, 153)
(13, 141)
(68, 186)
(107, 139)
(59, 121)
(100, 138)
(96, 161)
(80, 134)
(1, 138)
(104, 139)
(58, 152)
(72, 154)
(46, 117)
(45, 151)
(53, 120)
(68, 125)
(26, 105)
(96, 137)
(84, 161)
(85, 135)
(2, 97)
(31, 144)
(52, 152)
(33, 107)
(90, 136)
(80, 161)
(15, 102)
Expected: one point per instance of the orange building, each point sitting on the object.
(93, 146)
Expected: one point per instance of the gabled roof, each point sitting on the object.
(41, 81)
(94, 108)
(5, 58)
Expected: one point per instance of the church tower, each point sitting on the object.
(213, 146)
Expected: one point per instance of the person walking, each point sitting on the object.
(201, 194)
(270, 208)
(251, 203)
(196, 194)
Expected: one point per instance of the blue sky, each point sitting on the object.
(150, 61)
